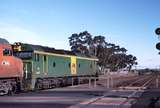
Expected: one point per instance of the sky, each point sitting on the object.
(128, 23)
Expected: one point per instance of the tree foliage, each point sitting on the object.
(110, 55)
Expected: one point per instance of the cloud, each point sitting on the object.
(59, 44)
(149, 62)
(19, 34)
(15, 33)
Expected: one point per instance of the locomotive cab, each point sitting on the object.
(26, 57)
(10, 66)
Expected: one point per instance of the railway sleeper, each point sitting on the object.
(132, 88)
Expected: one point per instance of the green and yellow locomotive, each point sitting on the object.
(46, 67)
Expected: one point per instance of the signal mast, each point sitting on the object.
(157, 31)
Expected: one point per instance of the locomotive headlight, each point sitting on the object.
(4, 62)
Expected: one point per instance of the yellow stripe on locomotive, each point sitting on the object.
(73, 65)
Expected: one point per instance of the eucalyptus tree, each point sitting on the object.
(98, 43)
(75, 42)
(110, 55)
(131, 60)
(81, 42)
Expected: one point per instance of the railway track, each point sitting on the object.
(141, 82)
(134, 87)
(125, 94)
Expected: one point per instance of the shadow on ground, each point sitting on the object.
(149, 99)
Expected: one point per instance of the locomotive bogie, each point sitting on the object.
(9, 86)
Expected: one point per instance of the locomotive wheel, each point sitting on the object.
(39, 86)
(13, 90)
(10, 92)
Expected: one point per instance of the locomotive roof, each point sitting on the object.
(31, 47)
(3, 41)
(50, 50)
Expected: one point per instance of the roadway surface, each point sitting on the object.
(47, 99)
(135, 92)
(72, 99)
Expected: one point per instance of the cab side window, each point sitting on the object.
(36, 57)
(7, 52)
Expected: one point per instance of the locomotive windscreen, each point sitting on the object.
(3, 41)
(23, 54)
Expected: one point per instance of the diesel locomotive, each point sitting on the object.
(33, 67)
(11, 69)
